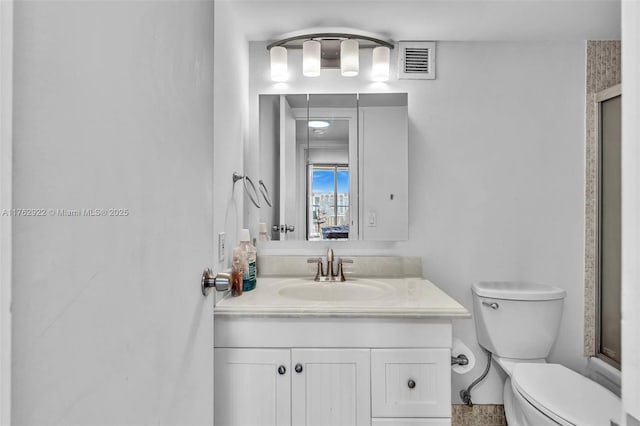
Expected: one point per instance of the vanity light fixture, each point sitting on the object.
(331, 48)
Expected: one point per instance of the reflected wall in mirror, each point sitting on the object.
(337, 164)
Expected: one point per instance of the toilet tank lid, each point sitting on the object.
(564, 395)
(517, 290)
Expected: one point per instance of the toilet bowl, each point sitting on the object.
(518, 322)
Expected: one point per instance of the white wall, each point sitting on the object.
(113, 107)
(231, 126)
(630, 210)
(496, 173)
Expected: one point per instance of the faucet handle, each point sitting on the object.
(320, 269)
(341, 269)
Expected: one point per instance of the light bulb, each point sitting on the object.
(279, 68)
(311, 58)
(349, 58)
(380, 67)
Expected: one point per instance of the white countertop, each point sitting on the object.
(402, 298)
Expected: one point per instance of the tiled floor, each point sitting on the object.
(478, 415)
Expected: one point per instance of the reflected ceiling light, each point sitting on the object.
(279, 67)
(349, 58)
(380, 63)
(319, 124)
(311, 58)
(330, 48)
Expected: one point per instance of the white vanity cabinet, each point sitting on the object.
(337, 371)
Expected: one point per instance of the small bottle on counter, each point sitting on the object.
(262, 232)
(236, 272)
(249, 257)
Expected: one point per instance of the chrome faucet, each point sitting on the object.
(331, 275)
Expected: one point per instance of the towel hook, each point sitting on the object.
(250, 189)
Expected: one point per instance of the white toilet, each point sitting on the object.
(518, 322)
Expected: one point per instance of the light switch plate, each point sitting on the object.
(373, 220)
(221, 247)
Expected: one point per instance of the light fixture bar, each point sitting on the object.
(320, 36)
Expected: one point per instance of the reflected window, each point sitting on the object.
(329, 215)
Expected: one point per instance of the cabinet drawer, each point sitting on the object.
(411, 383)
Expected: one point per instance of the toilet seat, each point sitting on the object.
(565, 396)
(507, 364)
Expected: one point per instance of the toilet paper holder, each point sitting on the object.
(459, 360)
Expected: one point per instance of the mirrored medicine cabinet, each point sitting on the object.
(336, 166)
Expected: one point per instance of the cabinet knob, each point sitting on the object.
(282, 369)
(411, 384)
(298, 368)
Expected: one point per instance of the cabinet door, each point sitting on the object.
(249, 388)
(384, 193)
(330, 387)
(411, 382)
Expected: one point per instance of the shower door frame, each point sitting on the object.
(600, 97)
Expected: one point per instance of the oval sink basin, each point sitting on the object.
(336, 291)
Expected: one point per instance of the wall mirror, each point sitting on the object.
(337, 164)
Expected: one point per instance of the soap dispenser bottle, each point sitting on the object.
(249, 257)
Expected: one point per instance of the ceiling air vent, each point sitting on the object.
(417, 60)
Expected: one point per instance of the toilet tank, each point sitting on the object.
(517, 319)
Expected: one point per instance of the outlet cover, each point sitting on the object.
(221, 247)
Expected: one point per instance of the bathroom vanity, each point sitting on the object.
(368, 351)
